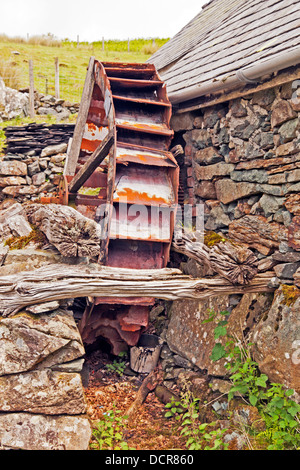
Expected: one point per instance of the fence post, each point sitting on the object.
(103, 45)
(128, 48)
(31, 91)
(77, 40)
(56, 78)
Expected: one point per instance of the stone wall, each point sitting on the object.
(58, 107)
(15, 103)
(242, 162)
(42, 402)
(25, 177)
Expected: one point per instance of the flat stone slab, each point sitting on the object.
(43, 391)
(28, 341)
(25, 431)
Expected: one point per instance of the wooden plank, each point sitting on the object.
(56, 78)
(111, 174)
(31, 91)
(221, 97)
(70, 167)
(92, 163)
(56, 282)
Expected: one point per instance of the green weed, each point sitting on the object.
(280, 414)
(198, 435)
(108, 432)
(118, 365)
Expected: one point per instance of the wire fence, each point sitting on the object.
(73, 60)
(72, 67)
(70, 87)
(64, 76)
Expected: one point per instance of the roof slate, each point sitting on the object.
(227, 36)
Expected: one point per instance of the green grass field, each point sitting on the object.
(73, 62)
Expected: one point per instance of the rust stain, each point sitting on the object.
(138, 157)
(91, 128)
(130, 195)
(142, 126)
(90, 145)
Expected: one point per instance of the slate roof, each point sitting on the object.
(227, 36)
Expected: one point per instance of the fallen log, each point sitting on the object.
(231, 261)
(57, 282)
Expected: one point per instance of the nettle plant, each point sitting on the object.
(200, 436)
(109, 432)
(273, 401)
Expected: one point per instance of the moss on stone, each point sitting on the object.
(18, 243)
(89, 191)
(290, 294)
(24, 313)
(213, 238)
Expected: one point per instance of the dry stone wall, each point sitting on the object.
(14, 103)
(242, 163)
(26, 177)
(42, 401)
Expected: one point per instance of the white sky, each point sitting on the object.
(94, 19)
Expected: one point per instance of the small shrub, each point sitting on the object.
(150, 49)
(198, 435)
(48, 40)
(118, 366)
(108, 433)
(279, 412)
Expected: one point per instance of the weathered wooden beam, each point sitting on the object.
(111, 175)
(72, 158)
(148, 385)
(92, 163)
(231, 261)
(56, 282)
(280, 78)
(72, 234)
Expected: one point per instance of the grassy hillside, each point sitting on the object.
(16, 53)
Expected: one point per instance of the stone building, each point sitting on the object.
(233, 78)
